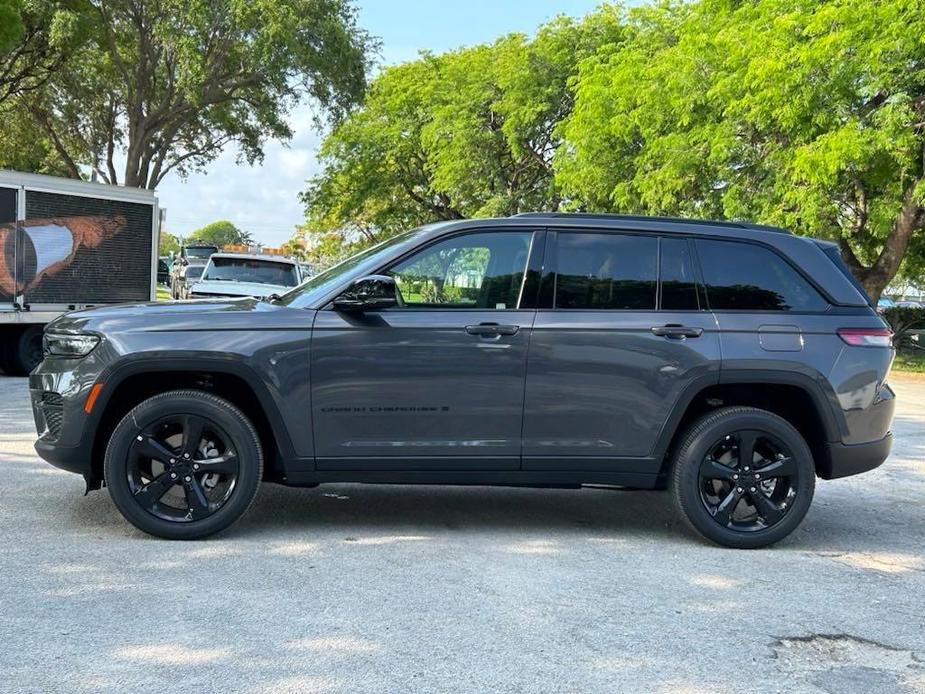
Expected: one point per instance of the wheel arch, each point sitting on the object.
(796, 397)
(133, 381)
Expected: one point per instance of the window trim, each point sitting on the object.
(534, 233)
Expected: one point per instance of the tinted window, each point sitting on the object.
(746, 277)
(606, 271)
(679, 288)
(481, 270)
(251, 270)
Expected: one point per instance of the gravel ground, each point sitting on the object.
(349, 588)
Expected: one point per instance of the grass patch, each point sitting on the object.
(910, 361)
(163, 293)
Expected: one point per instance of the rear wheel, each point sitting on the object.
(183, 465)
(743, 477)
(22, 350)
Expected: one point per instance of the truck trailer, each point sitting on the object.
(66, 245)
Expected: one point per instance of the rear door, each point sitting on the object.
(621, 335)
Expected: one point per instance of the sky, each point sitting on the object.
(263, 199)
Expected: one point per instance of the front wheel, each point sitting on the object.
(183, 465)
(743, 477)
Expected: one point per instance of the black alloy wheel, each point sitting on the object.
(743, 477)
(748, 481)
(183, 464)
(182, 468)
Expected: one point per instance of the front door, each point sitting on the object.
(623, 334)
(436, 383)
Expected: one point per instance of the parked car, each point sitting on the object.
(730, 363)
(163, 270)
(884, 303)
(244, 274)
(909, 304)
(187, 279)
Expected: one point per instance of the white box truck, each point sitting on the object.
(67, 245)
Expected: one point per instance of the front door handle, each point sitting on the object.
(492, 329)
(674, 331)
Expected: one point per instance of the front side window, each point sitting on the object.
(746, 277)
(478, 271)
(606, 271)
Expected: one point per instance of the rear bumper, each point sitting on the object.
(836, 460)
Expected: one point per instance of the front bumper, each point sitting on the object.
(836, 460)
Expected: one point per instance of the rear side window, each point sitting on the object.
(746, 277)
(679, 288)
(606, 271)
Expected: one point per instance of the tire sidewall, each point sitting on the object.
(241, 433)
(702, 436)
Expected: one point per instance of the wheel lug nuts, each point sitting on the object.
(139, 438)
(752, 489)
(186, 455)
(187, 478)
(735, 477)
(757, 476)
(173, 475)
(746, 469)
(195, 466)
(173, 461)
(739, 490)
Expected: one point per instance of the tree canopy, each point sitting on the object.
(140, 88)
(466, 133)
(221, 233)
(804, 114)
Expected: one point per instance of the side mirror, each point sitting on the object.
(368, 294)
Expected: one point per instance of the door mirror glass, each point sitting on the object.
(368, 294)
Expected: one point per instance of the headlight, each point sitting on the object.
(64, 345)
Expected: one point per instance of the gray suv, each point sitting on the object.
(730, 363)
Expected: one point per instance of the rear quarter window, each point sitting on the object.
(747, 277)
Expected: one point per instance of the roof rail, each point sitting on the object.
(644, 218)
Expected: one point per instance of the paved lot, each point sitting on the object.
(386, 589)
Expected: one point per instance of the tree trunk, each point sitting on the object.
(881, 273)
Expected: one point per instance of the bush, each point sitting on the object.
(904, 321)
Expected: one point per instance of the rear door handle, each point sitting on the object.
(492, 329)
(676, 332)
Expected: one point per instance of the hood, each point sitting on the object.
(198, 315)
(226, 288)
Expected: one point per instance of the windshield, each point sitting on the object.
(194, 271)
(251, 270)
(365, 261)
(202, 252)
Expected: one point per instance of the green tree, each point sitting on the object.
(806, 114)
(464, 134)
(221, 233)
(164, 85)
(167, 243)
(11, 24)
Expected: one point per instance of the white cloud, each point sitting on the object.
(262, 199)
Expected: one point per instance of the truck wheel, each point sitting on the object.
(183, 465)
(743, 477)
(24, 351)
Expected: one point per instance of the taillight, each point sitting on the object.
(866, 337)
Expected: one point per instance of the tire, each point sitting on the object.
(708, 469)
(24, 351)
(141, 485)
